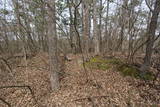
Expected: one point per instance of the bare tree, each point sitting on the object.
(86, 26)
(151, 36)
(71, 27)
(52, 43)
(123, 25)
(100, 23)
(106, 29)
(95, 28)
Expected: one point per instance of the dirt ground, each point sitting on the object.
(94, 88)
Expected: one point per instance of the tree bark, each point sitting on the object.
(151, 36)
(100, 24)
(123, 23)
(86, 26)
(106, 29)
(71, 28)
(95, 28)
(52, 43)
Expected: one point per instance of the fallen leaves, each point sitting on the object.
(104, 88)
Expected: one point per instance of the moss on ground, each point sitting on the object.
(101, 63)
(128, 70)
(114, 61)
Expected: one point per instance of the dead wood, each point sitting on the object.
(5, 102)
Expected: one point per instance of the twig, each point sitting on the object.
(23, 86)
(148, 6)
(9, 67)
(89, 98)
(5, 102)
(39, 68)
(133, 53)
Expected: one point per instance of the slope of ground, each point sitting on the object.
(96, 89)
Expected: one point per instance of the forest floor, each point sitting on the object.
(99, 88)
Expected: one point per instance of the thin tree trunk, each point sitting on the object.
(95, 28)
(100, 24)
(123, 23)
(106, 30)
(52, 43)
(71, 29)
(86, 26)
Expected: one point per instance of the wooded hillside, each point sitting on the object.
(79, 53)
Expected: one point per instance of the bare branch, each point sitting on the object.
(88, 98)
(144, 44)
(23, 86)
(148, 5)
(5, 102)
(7, 64)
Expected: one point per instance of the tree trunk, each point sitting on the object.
(123, 23)
(95, 28)
(151, 36)
(71, 28)
(100, 24)
(52, 43)
(106, 29)
(86, 26)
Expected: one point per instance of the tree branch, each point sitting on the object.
(150, 8)
(23, 86)
(5, 102)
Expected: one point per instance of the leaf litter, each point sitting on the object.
(103, 88)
